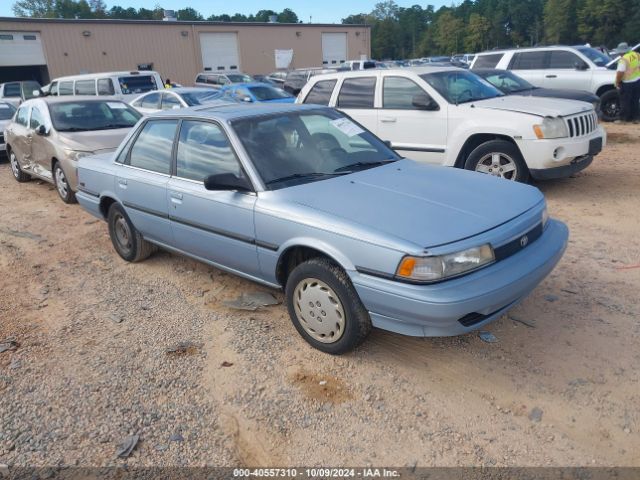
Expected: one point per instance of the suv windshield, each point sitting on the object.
(6, 111)
(459, 86)
(599, 58)
(265, 92)
(198, 98)
(506, 81)
(137, 84)
(292, 148)
(28, 89)
(92, 115)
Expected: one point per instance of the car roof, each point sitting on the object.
(418, 70)
(232, 111)
(72, 99)
(183, 90)
(128, 73)
(247, 84)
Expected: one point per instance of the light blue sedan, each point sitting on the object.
(304, 199)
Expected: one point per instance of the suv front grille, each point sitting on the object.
(582, 124)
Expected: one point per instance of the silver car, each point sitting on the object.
(47, 136)
(303, 198)
(174, 98)
(7, 110)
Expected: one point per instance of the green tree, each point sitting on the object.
(34, 8)
(449, 33)
(560, 21)
(287, 16)
(189, 14)
(476, 33)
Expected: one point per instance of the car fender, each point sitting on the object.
(322, 246)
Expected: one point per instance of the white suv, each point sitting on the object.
(452, 117)
(578, 68)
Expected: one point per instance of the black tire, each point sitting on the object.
(62, 185)
(610, 105)
(18, 174)
(126, 240)
(356, 321)
(508, 150)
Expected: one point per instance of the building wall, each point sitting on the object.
(121, 45)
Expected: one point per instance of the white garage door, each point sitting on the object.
(20, 48)
(334, 48)
(219, 51)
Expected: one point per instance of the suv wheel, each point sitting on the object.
(127, 241)
(500, 159)
(610, 105)
(18, 174)
(325, 308)
(62, 185)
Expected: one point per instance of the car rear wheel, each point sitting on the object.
(127, 241)
(610, 105)
(62, 184)
(18, 174)
(325, 308)
(500, 159)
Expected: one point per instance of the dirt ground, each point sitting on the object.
(559, 387)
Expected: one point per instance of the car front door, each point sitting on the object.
(567, 70)
(414, 131)
(216, 226)
(40, 147)
(356, 98)
(141, 182)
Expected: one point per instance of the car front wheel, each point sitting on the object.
(500, 159)
(127, 241)
(610, 105)
(62, 184)
(325, 308)
(18, 174)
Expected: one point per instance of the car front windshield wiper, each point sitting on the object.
(359, 165)
(295, 176)
(114, 125)
(74, 129)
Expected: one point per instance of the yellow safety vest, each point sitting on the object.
(632, 60)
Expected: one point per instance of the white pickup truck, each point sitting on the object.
(452, 117)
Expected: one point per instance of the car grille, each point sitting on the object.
(514, 246)
(582, 124)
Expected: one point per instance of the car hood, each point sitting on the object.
(425, 205)
(581, 95)
(542, 107)
(93, 141)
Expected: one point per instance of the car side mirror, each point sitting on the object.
(247, 99)
(581, 66)
(227, 182)
(42, 131)
(424, 102)
(36, 93)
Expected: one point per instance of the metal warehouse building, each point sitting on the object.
(42, 49)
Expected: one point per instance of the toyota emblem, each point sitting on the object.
(523, 241)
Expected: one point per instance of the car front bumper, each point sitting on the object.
(463, 304)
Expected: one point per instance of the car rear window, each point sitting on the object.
(357, 93)
(320, 93)
(137, 84)
(487, 61)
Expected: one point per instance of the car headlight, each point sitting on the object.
(545, 217)
(435, 268)
(76, 155)
(551, 127)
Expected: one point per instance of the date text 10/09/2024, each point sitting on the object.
(315, 473)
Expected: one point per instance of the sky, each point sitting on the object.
(323, 11)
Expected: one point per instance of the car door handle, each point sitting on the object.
(122, 183)
(176, 197)
(388, 120)
(551, 76)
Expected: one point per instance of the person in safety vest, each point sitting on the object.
(168, 84)
(628, 83)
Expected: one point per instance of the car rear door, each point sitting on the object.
(530, 66)
(567, 70)
(216, 226)
(356, 98)
(141, 180)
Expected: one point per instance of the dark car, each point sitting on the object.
(511, 84)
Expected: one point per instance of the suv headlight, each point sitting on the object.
(551, 127)
(76, 155)
(433, 269)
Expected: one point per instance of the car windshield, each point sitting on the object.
(265, 92)
(293, 148)
(239, 78)
(599, 58)
(507, 81)
(198, 98)
(6, 111)
(137, 84)
(92, 115)
(31, 90)
(459, 86)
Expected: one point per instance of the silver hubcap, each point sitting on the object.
(122, 233)
(499, 165)
(61, 182)
(319, 310)
(15, 168)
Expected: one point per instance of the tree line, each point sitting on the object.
(409, 32)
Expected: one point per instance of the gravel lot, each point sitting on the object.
(91, 366)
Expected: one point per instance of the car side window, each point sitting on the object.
(398, 93)
(564, 59)
(357, 93)
(151, 101)
(85, 87)
(37, 118)
(488, 61)
(22, 115)
(12, 90)
(528, 61)
(201, 79)
(212, 79)
(203, 150)
(169, 102)
(152, 149)
(320, 93)
(105, 87)
(65, 88)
